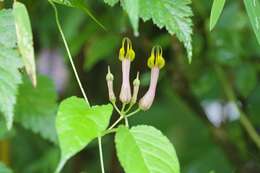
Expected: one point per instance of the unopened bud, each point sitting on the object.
(136, 84)
(125, 93)
(110, 78)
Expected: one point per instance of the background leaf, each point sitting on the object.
(216, 10)
(132, 8)
(25, 39)
(9, 64)
(111, 2)
(40, 118)
(253, 11)
(4, 169)
(77, 124)
(144, 149)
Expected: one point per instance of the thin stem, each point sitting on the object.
(116, 108)
(129, 108)
(101, 155)
(126, 122)
(68, 51)
(123, 108)
(132, 113)
(115, 123)
(243, 117)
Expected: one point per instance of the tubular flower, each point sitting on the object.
(155, 63)
(126, 55)
(136, 84)
(110, 78)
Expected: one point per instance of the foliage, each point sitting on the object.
(208, 109)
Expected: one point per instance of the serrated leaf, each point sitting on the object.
(77, 124)
(25, 39)
(40, 118)
(80, 4)
(253, 11)
(111, 2)
(132, 8)
(175, 16)
(4, 169)
(216, 10)
(9, 64)
(144, 149)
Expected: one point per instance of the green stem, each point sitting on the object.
(101, 155)
(243, 117)
(115, 123)
(132, 113)
(68, 51)
(126, 122)
(129, 108)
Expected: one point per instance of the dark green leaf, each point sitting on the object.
(40, 118)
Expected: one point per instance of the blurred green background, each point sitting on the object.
(192, 106)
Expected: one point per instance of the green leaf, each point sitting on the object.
(25, 39)
(77, 124)
(253, 11)
(245, 79)
(9, 64)
(40, 118)
(216, 10)
(4, 169)
(175, 16)
(111, 2)
(99, 49)
(132, 8)
(80, 4)
(144, 149)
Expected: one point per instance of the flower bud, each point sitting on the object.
(155, 62)
(110, 78)
(136, 84)
(125, 93)
(126, 55)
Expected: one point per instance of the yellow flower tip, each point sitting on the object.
(156, 59)
(126, 51)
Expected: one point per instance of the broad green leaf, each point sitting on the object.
(77, 124)
(80, 4)
(216, 10)
(111, 2)
(144, 149)
(253, 11)
(25, 39)
(40, 118)
(9, 64)
(175, 16)
(132, 8)
(4, 169)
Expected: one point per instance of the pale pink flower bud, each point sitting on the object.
(110, 78)
(125, 93)
(136, 84)
(147, 100)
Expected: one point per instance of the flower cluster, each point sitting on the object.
(126, 55)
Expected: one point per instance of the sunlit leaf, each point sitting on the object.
(77, 124)
(132, 9)
(111, 2)
(25, 39)
(253, 11)
(216, 10)
(9, 64)
(40, 118)
(144, 149)
(4, 169)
